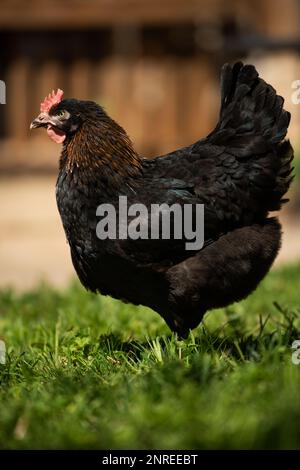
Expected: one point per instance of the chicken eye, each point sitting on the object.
(63, 114)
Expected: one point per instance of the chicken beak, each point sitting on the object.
(34, 124)
(41, 121)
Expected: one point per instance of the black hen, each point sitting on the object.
(240, 172)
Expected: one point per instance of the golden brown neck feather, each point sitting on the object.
(101, 145)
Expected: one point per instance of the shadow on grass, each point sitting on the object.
(231, 339)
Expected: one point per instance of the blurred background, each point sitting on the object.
(154, 65)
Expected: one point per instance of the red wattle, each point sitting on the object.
(56, 135)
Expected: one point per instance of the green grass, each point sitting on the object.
(296, 165)
(85, 371)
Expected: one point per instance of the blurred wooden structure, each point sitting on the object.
(153, 64)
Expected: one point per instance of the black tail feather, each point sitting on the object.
(253, 125)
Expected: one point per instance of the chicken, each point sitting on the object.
(240, 172)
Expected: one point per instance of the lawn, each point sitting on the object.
(85, 371)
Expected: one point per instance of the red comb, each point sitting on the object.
(50, 100)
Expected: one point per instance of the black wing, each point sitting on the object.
(239, 172)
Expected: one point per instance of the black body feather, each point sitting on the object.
(240, 172)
